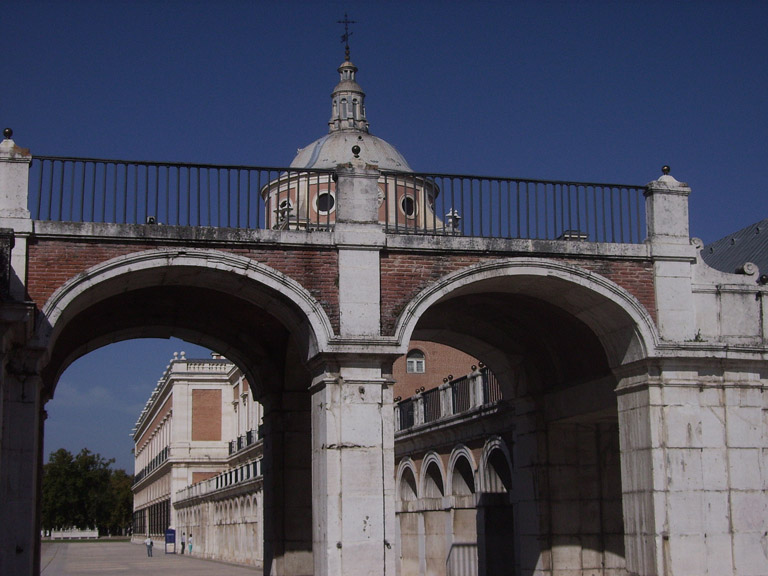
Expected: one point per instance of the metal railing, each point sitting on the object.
(480, 388)
(243, 441)
(126, 192)
(161, 457)
(244, 473)
(443, 204)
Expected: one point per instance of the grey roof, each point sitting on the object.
(749, 244)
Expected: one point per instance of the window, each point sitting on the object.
(408, 204)
(414, 362)
(325, 202)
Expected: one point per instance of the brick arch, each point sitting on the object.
(282, 300)
(623, 325)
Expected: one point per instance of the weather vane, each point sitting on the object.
(347, 34)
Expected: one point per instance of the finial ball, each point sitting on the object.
(8, 133)
(665, 169)
(356, 150)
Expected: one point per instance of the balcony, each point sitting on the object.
(454, 396)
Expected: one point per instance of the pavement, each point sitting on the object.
(116, 558)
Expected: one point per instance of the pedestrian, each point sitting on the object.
(190, 542)
(149, 544)
(183, 540)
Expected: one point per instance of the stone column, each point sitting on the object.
(641, 470)
(353, 470)
(673, 254)
(20, 459)
(14, 181)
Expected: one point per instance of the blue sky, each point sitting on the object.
(585, 91)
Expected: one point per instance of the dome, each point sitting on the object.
(336, 148)
(348, 127)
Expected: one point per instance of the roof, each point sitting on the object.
(336, 148)
(730, 253)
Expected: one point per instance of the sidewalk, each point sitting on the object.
(115, 558)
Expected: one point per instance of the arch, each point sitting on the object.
(432, 481)
(623, 326)
(462, 470)
(495, 470)
(406, 486)
(241, 279)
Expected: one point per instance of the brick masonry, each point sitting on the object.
(405, 274)
(206, 415)
(51, 262)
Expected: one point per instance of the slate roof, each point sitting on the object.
(749, 244)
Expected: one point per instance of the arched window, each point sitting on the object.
(414, 362)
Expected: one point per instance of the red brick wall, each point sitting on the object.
(405, 274)
(200, 476)
(206, 414)
(440, 361)
(53, 262)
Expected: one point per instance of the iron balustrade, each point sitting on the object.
(444, 204)
(161, 457)
(432, 410)
(480, 388)
(127, 192)
(461, 394)
(243, 441)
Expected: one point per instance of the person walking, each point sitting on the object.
(183, 541)
(190, 542)
(149, 545)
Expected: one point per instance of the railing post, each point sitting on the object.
(446, 399)
(477, 391)
(14, 178)
(418, 409)
(673, 254)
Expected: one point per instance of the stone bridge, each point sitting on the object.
(633, 431)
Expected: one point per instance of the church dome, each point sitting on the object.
(336, 148)
(348, 127)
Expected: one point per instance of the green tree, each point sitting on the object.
(84, 492)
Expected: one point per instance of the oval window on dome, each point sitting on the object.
(325, 202)
(408, 205)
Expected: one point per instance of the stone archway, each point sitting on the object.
(259, 318)
(555, 335)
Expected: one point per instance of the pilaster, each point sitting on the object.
(673, 255)
(14, 215)
(353, 471)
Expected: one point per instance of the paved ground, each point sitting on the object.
(117, 558)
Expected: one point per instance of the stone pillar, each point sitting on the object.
(288, 485)
(673, 254)
(20, 459)
(693, 469)
(641, 470)
(353, 471)
(14, 215)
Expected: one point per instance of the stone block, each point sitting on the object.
(719, 554)
(614, 551)
(744, 426)
(750, 554)
(684, 469)
(685, 512)
(714, 469)
(744, 469)
(688, 554)
(716, 513)
(749, 511)
(565, 517)
(694, 427)
(566, 553)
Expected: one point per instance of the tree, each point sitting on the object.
(84, 492)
